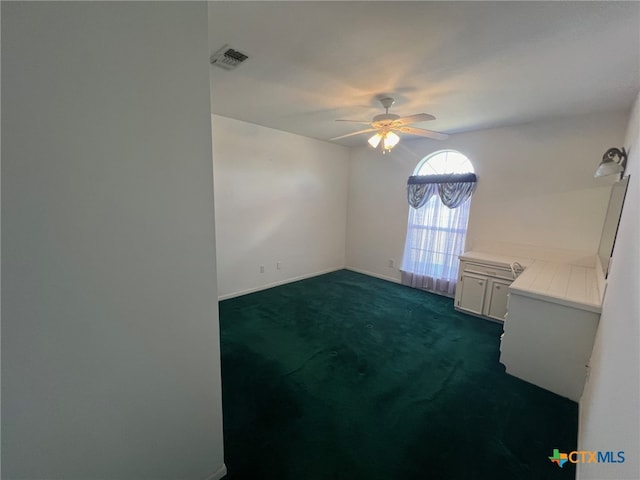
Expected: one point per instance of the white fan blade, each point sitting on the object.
(355, 133)
(417, 118)
(423, 133)
(355, 121)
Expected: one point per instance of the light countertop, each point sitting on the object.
(494, 259)
(562, 283)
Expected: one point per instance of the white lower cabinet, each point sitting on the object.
(498, 298)
(554, 311)
(548, 344)
(483, 289)
(473, 289)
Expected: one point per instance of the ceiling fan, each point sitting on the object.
(386, 124)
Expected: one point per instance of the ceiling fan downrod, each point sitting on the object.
(386, 103)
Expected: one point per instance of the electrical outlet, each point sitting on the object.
(279, 266)
(392, 263)
(261, 268)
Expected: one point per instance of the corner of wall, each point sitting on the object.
(609, 407)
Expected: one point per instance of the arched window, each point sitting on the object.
(435, 232)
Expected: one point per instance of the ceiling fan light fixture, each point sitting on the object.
(390, 140)
(375, 140)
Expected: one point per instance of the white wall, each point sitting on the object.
(377, 212)
(535, 188)
(610, 406)
(279, 197)
(110, 348)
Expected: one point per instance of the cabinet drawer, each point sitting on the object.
(487, 270)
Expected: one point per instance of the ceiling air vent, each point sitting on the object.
(228, 58)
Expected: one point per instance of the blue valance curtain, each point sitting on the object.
(453, 189)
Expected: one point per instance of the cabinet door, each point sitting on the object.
(473, 292)
(497, 302)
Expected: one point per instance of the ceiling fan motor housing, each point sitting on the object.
(384, 120)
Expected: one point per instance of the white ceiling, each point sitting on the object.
(471, 64)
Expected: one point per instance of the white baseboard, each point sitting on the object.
(466, 312)
(372, 274)
(218, 474)
(278, 283)
(304, 277)
(398, 281)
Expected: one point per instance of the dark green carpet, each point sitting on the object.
(345, 376)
